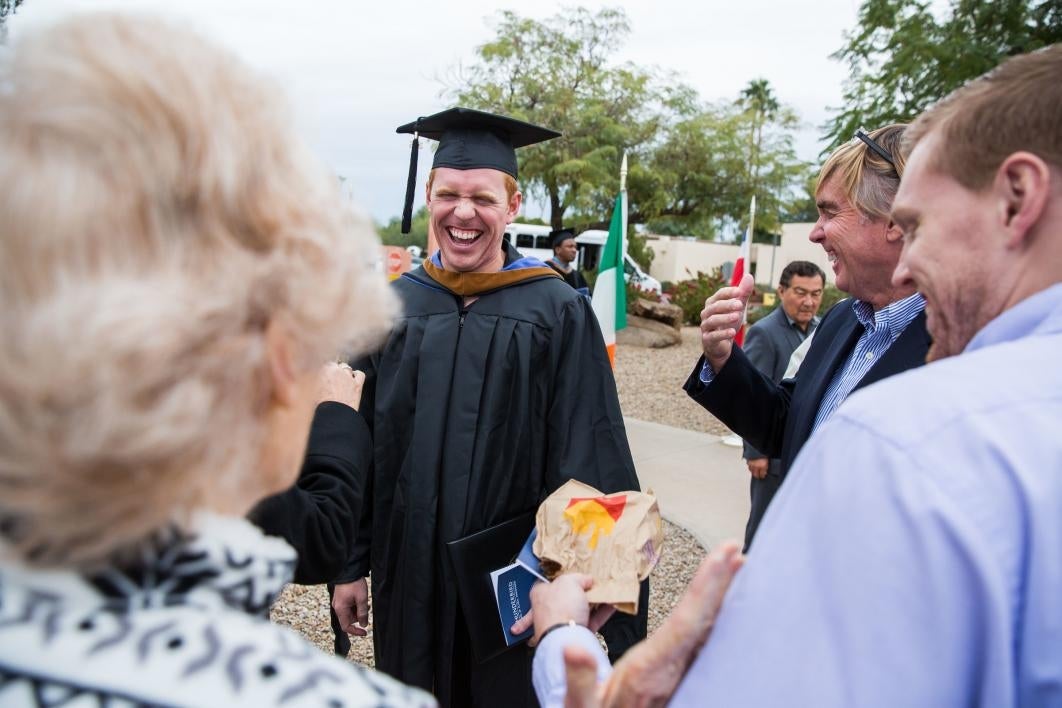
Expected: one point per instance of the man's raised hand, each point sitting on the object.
(721, 318)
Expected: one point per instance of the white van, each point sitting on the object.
(591, 242)
(530, 240)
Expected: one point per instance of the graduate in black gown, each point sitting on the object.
(493, 389)
(564, 254)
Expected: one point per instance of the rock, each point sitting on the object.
(642, 332)
(659, 311)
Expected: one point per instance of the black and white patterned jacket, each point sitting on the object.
(183, 626)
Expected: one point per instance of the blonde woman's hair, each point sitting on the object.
(157, 212)
(867, 179)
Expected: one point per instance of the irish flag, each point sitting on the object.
(610, 295)
(742, 265)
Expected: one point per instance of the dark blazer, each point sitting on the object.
(777, 418)
(768, 345)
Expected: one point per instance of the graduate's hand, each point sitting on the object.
(342, 384)
(758, 467)
(351, 604)
(721, 318)
(560, 601)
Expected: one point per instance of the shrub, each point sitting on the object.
(830, 297)
(755, 314)
(634, 292)
(691, 294)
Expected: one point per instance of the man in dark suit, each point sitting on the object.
(880, 331)
(768, 345)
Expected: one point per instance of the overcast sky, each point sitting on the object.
(357, 70)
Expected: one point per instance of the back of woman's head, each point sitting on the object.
(158, 214)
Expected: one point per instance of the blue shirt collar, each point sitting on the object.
(894, 317)
(1037, 313)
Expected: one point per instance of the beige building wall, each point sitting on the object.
(793, 246)
(680, 257)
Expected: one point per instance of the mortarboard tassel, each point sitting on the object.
(411, 184)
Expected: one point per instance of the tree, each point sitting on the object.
(902, 58)
(759, 101)
(556, 73)
(803, 208)
(688, 162)
(391, 232)
(7, 7)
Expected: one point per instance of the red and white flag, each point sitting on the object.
(742, 265)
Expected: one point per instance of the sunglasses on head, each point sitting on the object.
(873, 145)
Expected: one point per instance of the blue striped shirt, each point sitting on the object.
(880, 330)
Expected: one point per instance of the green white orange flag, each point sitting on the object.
(610, 294)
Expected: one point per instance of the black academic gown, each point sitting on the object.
(477, 414)
(571, 276)
(317, 514)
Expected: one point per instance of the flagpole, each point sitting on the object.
(745, 252)
(752, 217)
(623, 196)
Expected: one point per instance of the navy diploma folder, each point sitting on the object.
(474, 559)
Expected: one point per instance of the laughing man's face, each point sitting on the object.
(469, 211)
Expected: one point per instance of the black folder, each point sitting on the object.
(474, 558)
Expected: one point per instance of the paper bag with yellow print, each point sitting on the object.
(614, 538)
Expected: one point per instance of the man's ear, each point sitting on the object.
(893, 233)
(1021, 188)
(514, 206)
(280, 363)
(780, 290)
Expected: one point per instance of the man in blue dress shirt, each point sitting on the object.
(914, 557)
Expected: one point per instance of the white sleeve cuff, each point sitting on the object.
(548, 674)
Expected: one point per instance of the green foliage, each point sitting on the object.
(830, 297)
(391, 233)
(7, 7)
(755, 314)
(902, 58)
(803, 209)
(638, 249)
(556, 73)
(688, 161)
(691, 294)
(634, 292)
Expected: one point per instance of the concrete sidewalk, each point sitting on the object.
(702, 485)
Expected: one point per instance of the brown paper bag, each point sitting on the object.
(614, 538)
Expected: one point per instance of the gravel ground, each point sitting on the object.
(650, 388)
(305, 608)
(650, 381)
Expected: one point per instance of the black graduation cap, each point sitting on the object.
(559, 236)
(468, 140)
